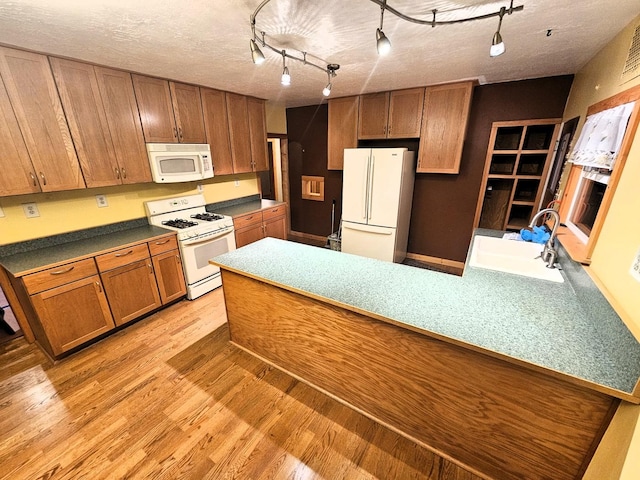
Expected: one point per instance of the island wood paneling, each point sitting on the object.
(498, 419)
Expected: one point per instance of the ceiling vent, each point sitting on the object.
(632, 66)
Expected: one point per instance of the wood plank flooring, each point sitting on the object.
(170, 398)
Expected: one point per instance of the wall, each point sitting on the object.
(307, 135)
(276, 117)
(62, 212)
(620, 237)
(444, 205)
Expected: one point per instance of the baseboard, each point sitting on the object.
(436, 261)
(308, 237)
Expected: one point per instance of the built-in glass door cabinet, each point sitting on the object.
(29, 96)
(103, 118)
(515, 173)
(214, 108)
(444, 126)
(248, 133)
(342, 129)
(170, 112)
(395, 114)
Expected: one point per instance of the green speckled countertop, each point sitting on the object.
(23, 263)
(566, 327)
(244, 208)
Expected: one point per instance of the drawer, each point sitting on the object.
(272, 212)
(246, 220)
(55, 277)
(162, 245)
(112, 260)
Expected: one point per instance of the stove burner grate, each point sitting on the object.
(179, 223)
(208, 217)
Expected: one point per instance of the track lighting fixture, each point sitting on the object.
(286, 78)
(383, 44)
(497, 45)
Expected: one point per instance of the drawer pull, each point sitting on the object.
(123, 254)
(60, 272)
(163, 242)
(248, 218)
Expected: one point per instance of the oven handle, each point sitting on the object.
(196, 241)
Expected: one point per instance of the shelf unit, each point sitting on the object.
(515, 173)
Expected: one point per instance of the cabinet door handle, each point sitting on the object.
(124, 254)
(117, 170)
(44, 179)
(179, 259)
(180, 133)
(163, 242)
(33, 178)
(99, 287)
(150, 268)
(124, 173)
(60, 272)
(389, 130)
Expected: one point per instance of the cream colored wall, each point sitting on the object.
(620, 237)
(62, 212)
(276, 117)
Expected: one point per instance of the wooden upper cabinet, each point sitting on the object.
(119, 102)
(373, 115)
(34, 98)
(258, 134)
(80, 97)
(153, 97)
(405, 113)
(239, 132)
(18, 175)
(214, 108)
(342, 129)
(444, 125)
(187, 110)
(395, 114)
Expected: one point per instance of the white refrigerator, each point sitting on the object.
(377, 191)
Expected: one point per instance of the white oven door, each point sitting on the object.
(197, 252)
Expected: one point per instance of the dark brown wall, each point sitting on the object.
(307, 134)
(443, 205)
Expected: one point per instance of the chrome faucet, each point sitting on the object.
(549, 253)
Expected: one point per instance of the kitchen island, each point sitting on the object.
(508, 376)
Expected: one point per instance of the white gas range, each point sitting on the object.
(201, 236)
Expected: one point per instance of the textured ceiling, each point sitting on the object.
(207, 41)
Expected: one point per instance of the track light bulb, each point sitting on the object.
(382, 43)
(286, 78)
(256, 53)
(326, 91)
(497, 45)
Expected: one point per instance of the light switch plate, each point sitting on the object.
(1, 212)
(101, 200)
(31, 210)
(634, 271)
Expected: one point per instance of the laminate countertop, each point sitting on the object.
(568, 328)
(82, 246)
(244, 208)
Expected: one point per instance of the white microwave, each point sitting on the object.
(179, 162)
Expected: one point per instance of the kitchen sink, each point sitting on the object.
(511, 256)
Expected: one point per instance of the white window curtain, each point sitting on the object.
(601, 137)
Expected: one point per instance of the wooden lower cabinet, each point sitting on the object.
(270, 222)
(169, 275)
(131, 290)
(72, 314)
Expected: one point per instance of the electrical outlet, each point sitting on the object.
(31, 210)
(101, 200)
(634, 271)
(200, 188)
(236, 183)
(1, 212)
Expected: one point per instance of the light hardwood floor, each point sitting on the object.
(169, 397)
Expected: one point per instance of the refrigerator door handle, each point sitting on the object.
(370, 207)
(365, 202)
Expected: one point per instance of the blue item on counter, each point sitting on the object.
(535, 235)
